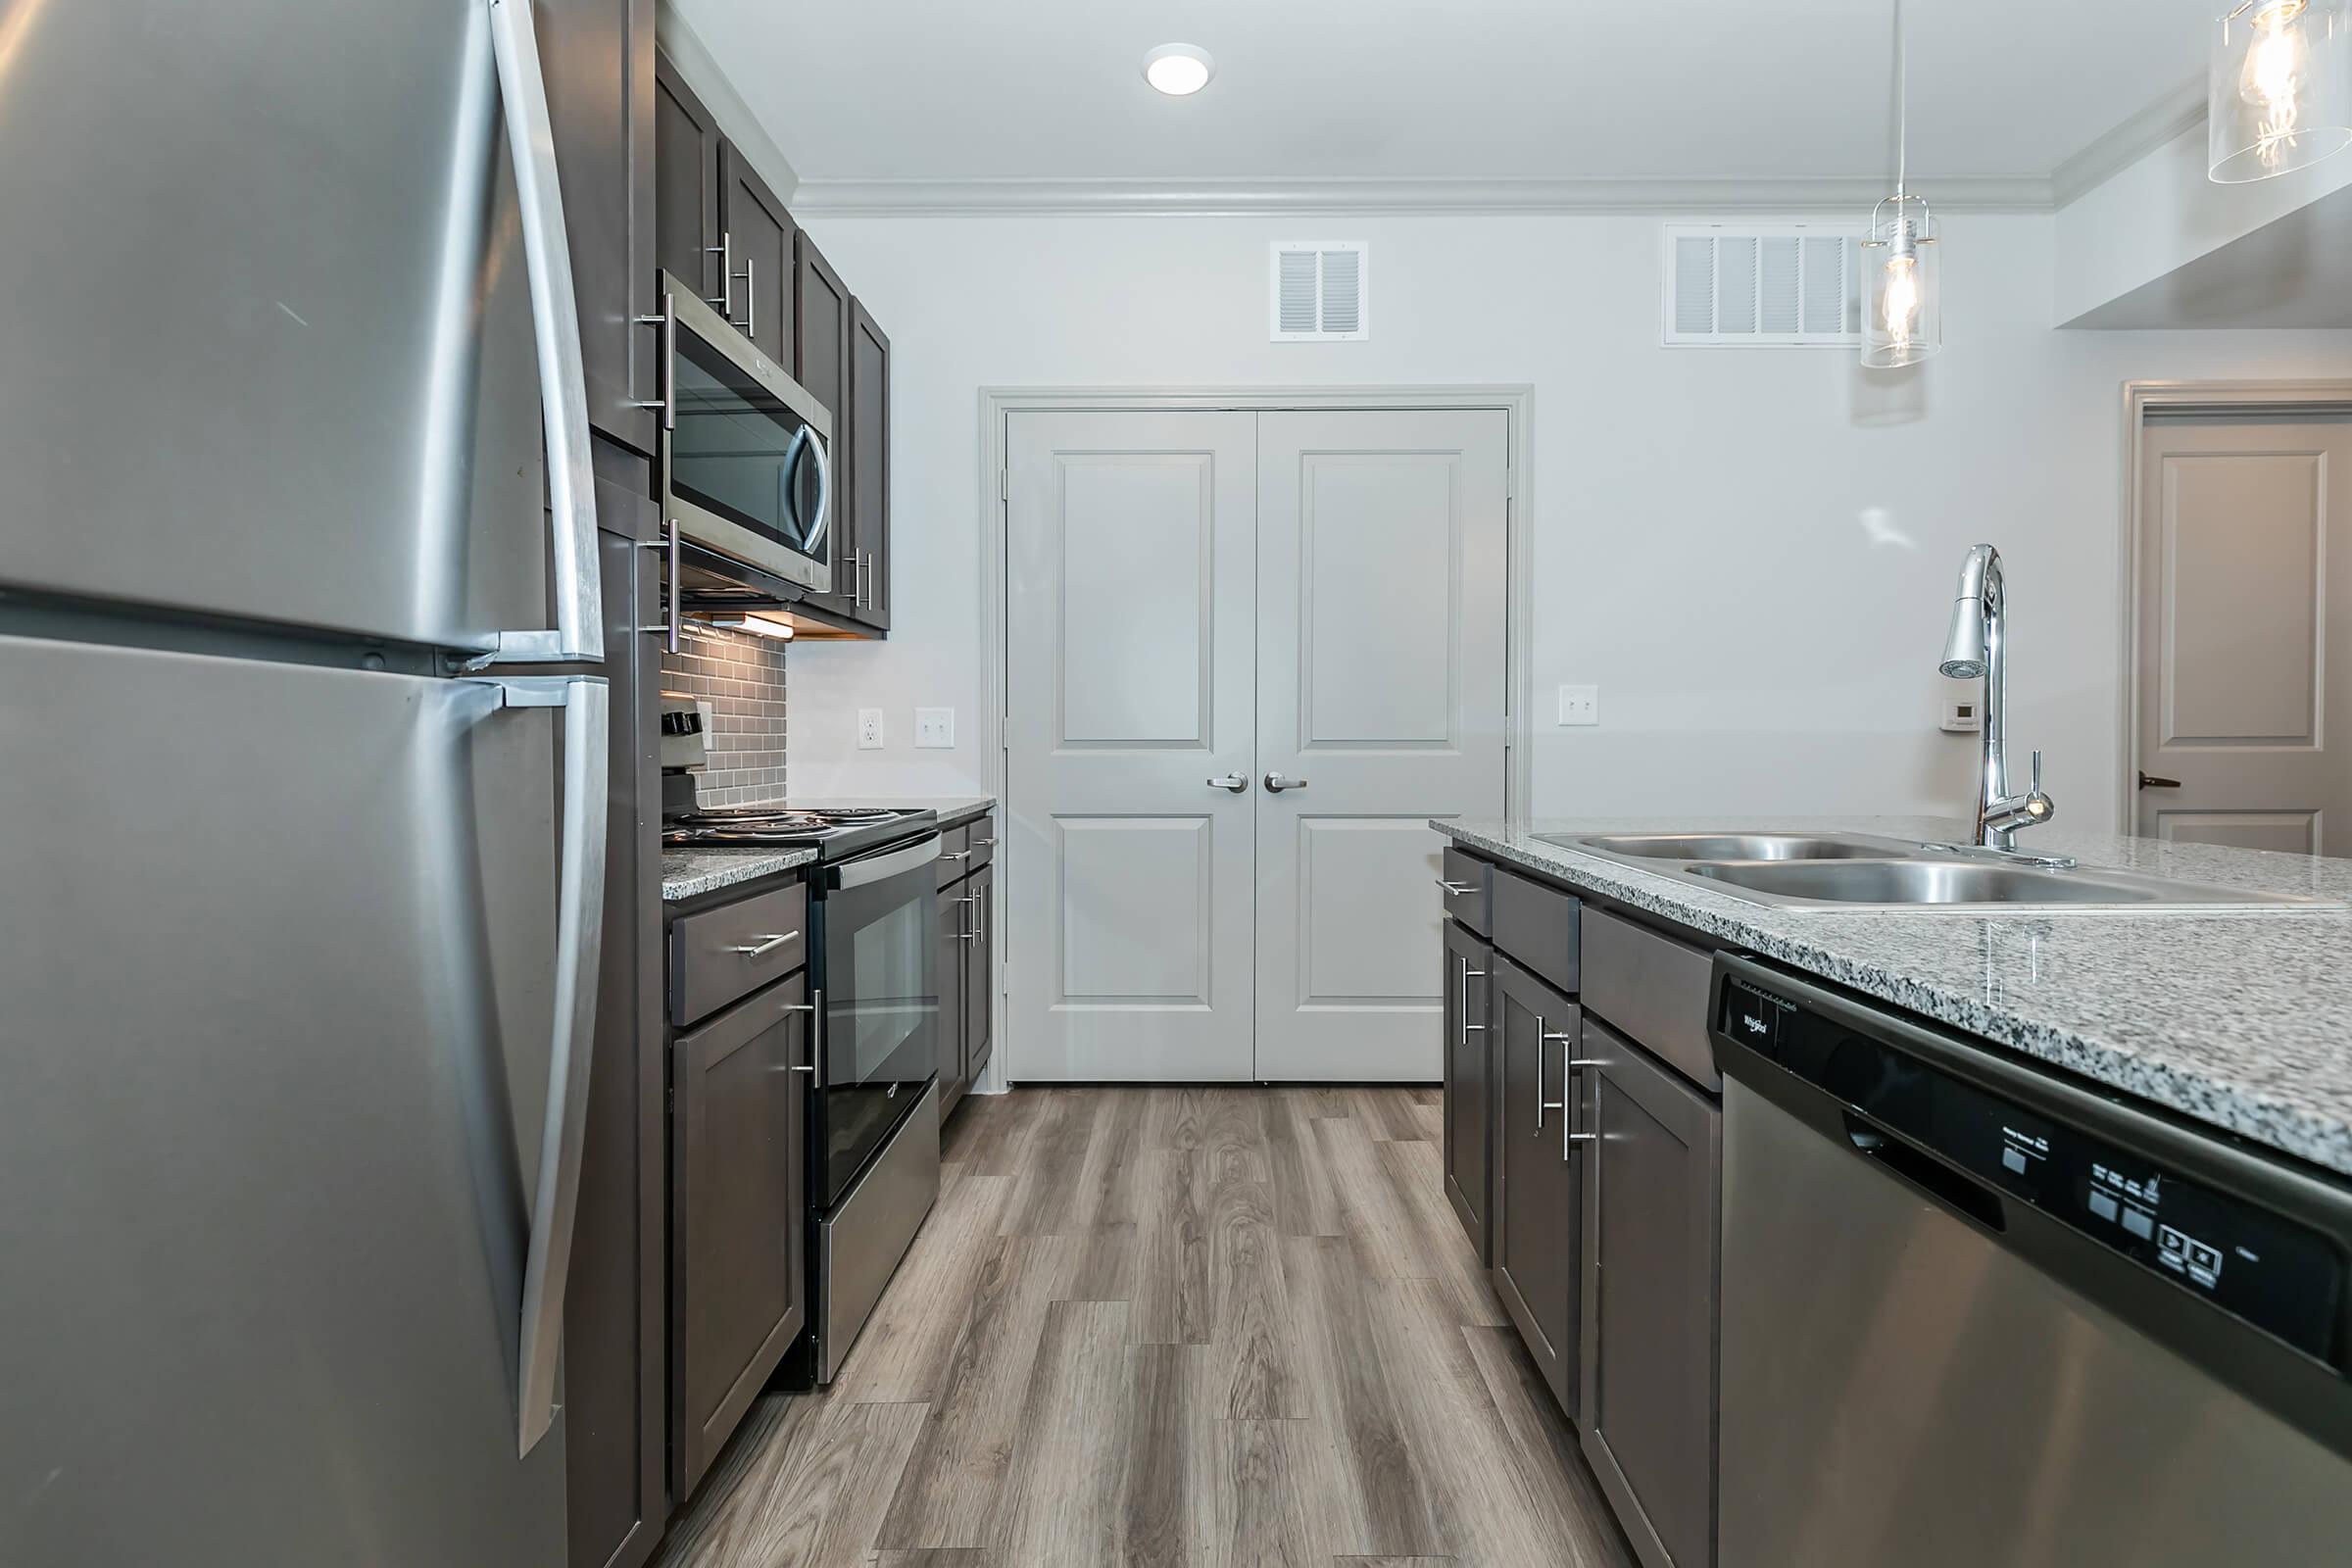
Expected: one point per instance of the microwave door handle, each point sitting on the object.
(579, 630)
(586, 702)
(824, 493)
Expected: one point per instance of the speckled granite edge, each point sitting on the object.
(690, 874)
(2239, 1020)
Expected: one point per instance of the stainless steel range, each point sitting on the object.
(873, 1133)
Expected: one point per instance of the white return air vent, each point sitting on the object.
(1321, 291)
(1756, 285)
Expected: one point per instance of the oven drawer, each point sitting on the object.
(732, 951)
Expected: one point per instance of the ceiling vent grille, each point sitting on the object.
(1321, 291)
(1787, 285)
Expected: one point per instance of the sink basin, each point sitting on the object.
(1969, 885)
(1740, 845)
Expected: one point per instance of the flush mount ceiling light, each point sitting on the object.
(1902, 322)
(1178, 69)
(2279, 92)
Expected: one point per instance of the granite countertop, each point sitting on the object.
(692, 873)
(2242, 1021)
(689, 873)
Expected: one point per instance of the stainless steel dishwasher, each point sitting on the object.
(1975, 1314)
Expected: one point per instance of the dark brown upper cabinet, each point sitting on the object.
(755, 254)
(686, 143)
(869, 466)
(823, 368)
(598, 60)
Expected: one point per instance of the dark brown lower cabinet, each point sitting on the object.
(739, 1092)
(1538, 1205)
(1469, 1088)
(1650, 1271)
(953, 1079)
(979, 968)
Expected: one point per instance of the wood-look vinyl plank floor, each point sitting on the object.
(1208, 1327)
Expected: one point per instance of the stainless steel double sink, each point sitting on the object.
(1858, 871)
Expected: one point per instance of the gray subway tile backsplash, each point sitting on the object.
(741, 676)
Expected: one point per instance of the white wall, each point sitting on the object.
(1750, 551)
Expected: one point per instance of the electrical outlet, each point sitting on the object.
(870, 729)
(935, 727)
(1579, 705)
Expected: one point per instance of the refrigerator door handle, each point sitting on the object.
(579, 934)
(579, 630)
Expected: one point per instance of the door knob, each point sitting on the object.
(1276, 783)
(2149, 781)
(1231, 781)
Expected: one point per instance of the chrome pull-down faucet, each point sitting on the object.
(1973, 650)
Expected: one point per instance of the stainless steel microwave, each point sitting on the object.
(746, 460)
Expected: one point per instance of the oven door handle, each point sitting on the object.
(889, 863)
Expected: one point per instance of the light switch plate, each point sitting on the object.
(935, 727)
(1579, 705)
(870, 729)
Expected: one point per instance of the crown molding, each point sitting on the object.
(1231, 198)
(2128, 143)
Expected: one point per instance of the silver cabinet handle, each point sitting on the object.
(586, 703)
(765, 945)
(751, 298)
(674, 610)
(1570, 1137)
(960, 854)
(970, 933)
(667, 401)
(1456, 889)
(1276, 783)
(1544, 1037)
(724, 250)
(809, 1066)
(859, 561)
(1231, 781)
(578, 635)
(816, 1035)
(1463, 1027)
(990, 843)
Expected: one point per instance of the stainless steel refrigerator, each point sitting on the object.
(301, 784)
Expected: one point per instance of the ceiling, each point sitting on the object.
(1635, 90)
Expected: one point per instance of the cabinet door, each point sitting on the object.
(597, 58)
(868, 467)
(1538, 1215)
(754, 241)
(613, 1347)
(686, 143)
(1650, 1270)
(738, 1182)
(952, 923)
(823, 368)
(1469, 1087)
(979, 975)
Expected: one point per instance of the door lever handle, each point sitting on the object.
(2149, 781)
(1276, 783)
(1231, 781)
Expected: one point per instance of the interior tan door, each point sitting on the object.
(1381, 609)
(2245, 633)
(1131, 622)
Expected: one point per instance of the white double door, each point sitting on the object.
(1203, 607)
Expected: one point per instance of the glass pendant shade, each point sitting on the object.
(1902, 311)
(2279, 91)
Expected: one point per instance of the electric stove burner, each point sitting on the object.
(831, 831)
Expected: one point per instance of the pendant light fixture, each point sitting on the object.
(1902, 314)
(2279, 92)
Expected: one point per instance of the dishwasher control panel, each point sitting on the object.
(2269, 1269)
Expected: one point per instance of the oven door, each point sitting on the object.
(747, 463)
(878, 927)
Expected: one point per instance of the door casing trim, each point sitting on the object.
(2140, 400)
(1516, 400)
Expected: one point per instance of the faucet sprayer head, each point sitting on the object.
(1964, 653)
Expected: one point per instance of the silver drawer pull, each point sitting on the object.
(765, 945)
(984, 844)
(960, 854)
(1456, 889)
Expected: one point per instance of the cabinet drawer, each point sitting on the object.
(1652, 989)
(734, 949)
(981, 840)
(1536, 925)
(955, 855)
(1474, 905)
